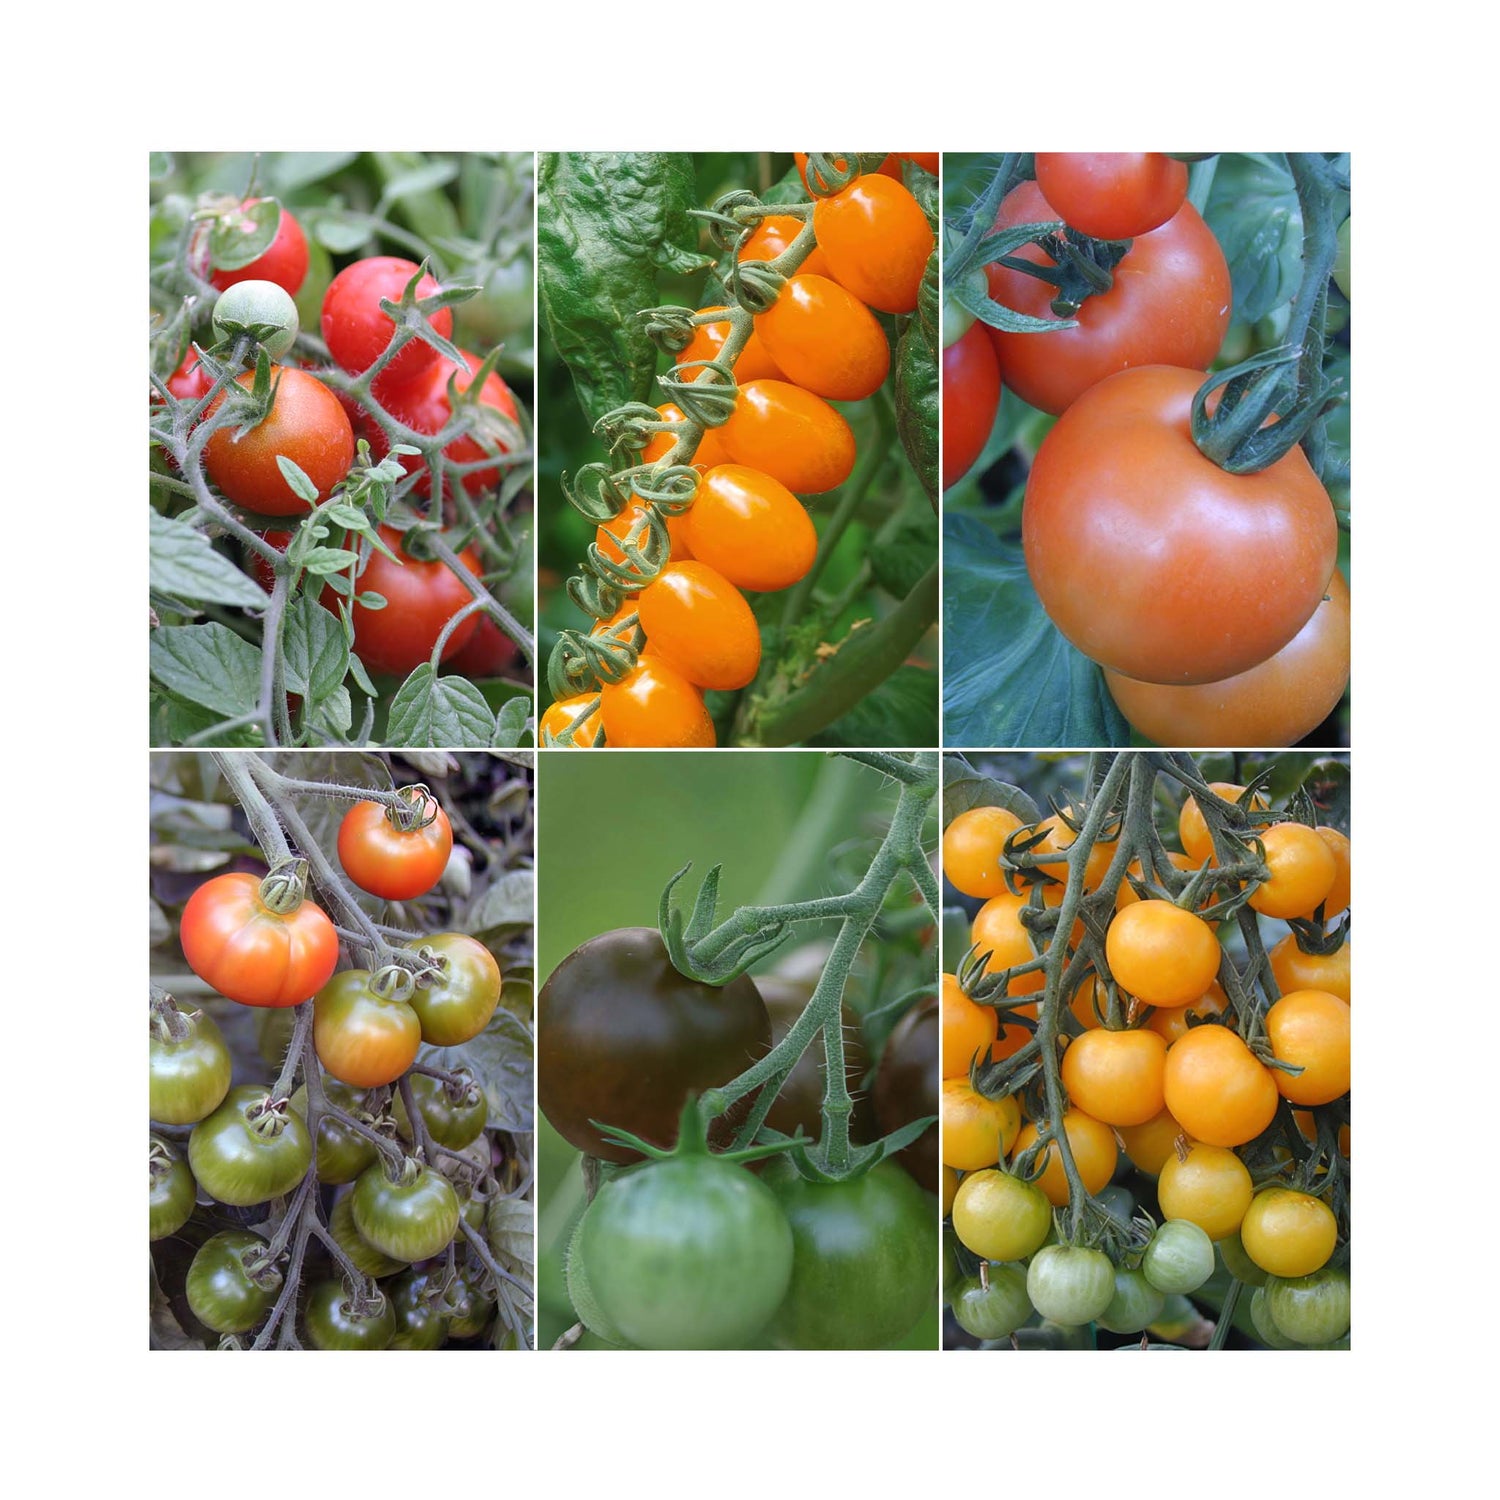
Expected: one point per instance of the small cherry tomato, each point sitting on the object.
(619, 528)
(999, 932)
(710, 450)
(455, 1117)
(755, 361)
(189, 1074)
(1135, 1305)
(1296, 970)
(1217, 1088)
(1311, 1309)
(1209, 1185)
(968, 1031)
(1116, 1076)
(750, 528)
(1161, 953)
(1337, 900)
(1112, 195)
(262, 306)
(365, 1036)
(1095, 1154)
(357, 332)
(976, 1131)
(339, 1153)
(654, 705)
(366, 1257)
(825, 339)
(395, 853)
(1149, 1145)
(698, 622)
(1302, 871)
(877, 240)
(1288, 1233)
(248, 1152)
(283, 261)
(1058, 838)
(972, 845)
(1310, 1028)
(1192, 830)
(336, 1321)
(562, 715)
(1000, 1217)
(455, 1004)
(1069, 1284)
(792, 435)
(174, 1194)
(413, 1218)
(221, 1289)
(995, 1307)
(772, 236)
(1180, 1257)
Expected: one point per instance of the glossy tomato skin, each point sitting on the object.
(1217, 1088)
(562, 715)
(772, 236)
(421, 1316)
(366, 1257)
(623, 1038)
(993, 1309)
(971, 400)
(421, 596)
(1302, 870)
(690, 1253)
(865, 1258)
(1000, 1217)
(1069, 1284)
(825, 339)
(333, 1323)
(1095, 1154)
(1312, 1309)
(1162, 954)
(1209, 1185)
(616, 531)
(1180, 1257)
(1288, 1233)
(363, 1038)
(1116, 1076)
(1310, 1028)
(972, 845)
(305, 424)
(1169, 305)
(1112, 195)
(189, 1077)
(977, 1131)
(792, 435)
(387, 860)
(750, 528)
(241, 1157)
(1151, 559)
(174, 1194)
(190, 381)
(877, 241)
(456, 1004)
(968, 1030)
(1135, 1304)
(1296, 970)
(1278, 702)
(357, 332)
(413, 1219)
(654, 705)
(454, 1123)
(999, 932)
(283, 261)
(220, 1290)
(710, 450)
(755, 361)
(698, 622)
(907, 1087)
(249, 953)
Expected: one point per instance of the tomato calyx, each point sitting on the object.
(731, 959)
(268, 1117)
(692, 1140)
(828, 174)
(169, 1022)
(411, 809)
(285, 888)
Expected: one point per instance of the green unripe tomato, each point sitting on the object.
(173, 1191)
(994, 1311)
(261, 309)
(1180, 1257)
(1135, 1305)
(1069, 1284)
(221, 1290)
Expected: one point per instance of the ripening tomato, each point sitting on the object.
(1112, 195)
(421, 596)
(1116, 1076)
(189, 1073)
(455, 1004)
(1161, 953)
(365, 1036)
(1310, 1028)
(969, 1030)
(755, 361)
(1209, 1185)
(698, 622)
(1069, 1284)
(1337, 899)
(410, 1218)
(1168, 305)
(337, 1320)
(1278, 702)
(1095, 1153)
(283, 261)
(357, 332)
(749, 528)
(1217, 1088)
(1154, 561)
(562, 715)
(1296, 970)
(252, 953)
(825, 339)
(772, 236)
(792, 435)
(190, 381)
(971, 399)
(711, 449)
(305, 424)
(1180, 1257)
(1310, 1309)
(221, 1290)
(976, 1131)
(1000, 1217)
(1193, 831)
(1302, 871)
(250, 1149)
(877, 240)
(972, 845)
(998, 931)
(654, 705)
(1288, 1233)
(396, 854)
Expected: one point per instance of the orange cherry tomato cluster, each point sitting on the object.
(1161, 1074)
(746, 528)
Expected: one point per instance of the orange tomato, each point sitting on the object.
(1207, 1184)
(1193, 831)
(1172, 1022)
(825, 339)
(560, 717)
(772, 236)
(755, 361)
(1288, 1233)
(1116, 1076)
(654, 705)
(1311, 1029)
(976, 1131)
(710, 447)
(1302, 871)
(1095, 1154)
(616, 530)
(1296, 970)
(792, 435)
(698, 622)
(1337, 899)
(877, 240)
(972, 844)
(998, 931)
(751, 528)
(1217, 1088)
(1161, 953)
(1151, 1144)
(1060, 838)
(968, 1029)
(1125, 895)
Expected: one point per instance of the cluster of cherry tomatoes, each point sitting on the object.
(307, 423)
(746, 527)
(1210, 598)
(262, 943)
(691, 1249)
(1238, 1108)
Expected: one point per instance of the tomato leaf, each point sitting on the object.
(504, 909)
(1252, 208)
(1010, 678)
(500, 1058)
(185, 565)
(964, 789)
(208, 665)
(430, 710)
(513, 724)
(314, 651)
(901, 711)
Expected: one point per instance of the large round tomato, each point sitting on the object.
(189, 1074)
(1095, 1153)
(688, 1253)
(1288, 1233)
(654, 705)
(336, 1321)
(1070, 1284)
(1209, 1185)
(750, 528)
(1310, 1029)
(972, 845)
(971, 397)
(906, 1087)
(1217, 1088)
(1276, 703)
(412, 1218)
(456, 1003)
(1000, 1217)
(1169, 305)
(1116, 1076)
(365, 1036)
(357, 332)
(397, 853)
(698, 622)
(1154, 561)
(305, 424)
(421, 596)
(825, 340)
(221, 1290)
(624, 1038)
(250, 953)
(1161, 953)
(1112, 195)
(877, 240)
(792, 435)
(865, 1258)
(246, 1152)
(283, 261)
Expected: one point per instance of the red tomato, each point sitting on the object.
(698, 622)
(751, 528)
(1169, 305)
(1154, 561)
(971, 398)
(190, 381)
(358, 333)
(283, 261)
(825, 339)
(792, 435)
(305, 424)
(1112, 195)
(390, 856)
(877, 240)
